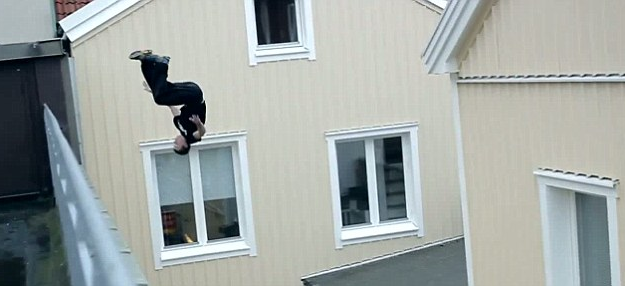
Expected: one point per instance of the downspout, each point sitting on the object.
(74, 95)
(455, 102)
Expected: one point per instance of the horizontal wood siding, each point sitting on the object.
(549, 37)
(510, 130)
(367, 73)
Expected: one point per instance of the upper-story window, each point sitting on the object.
(279, 30)
(375, 183)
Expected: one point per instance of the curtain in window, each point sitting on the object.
(218, 188)
(262, 26)
(292, 20)
(174, 179)
(217, 173)
(276, 21)
(592, 237)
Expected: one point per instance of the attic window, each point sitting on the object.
(276, 21)
(279, 30)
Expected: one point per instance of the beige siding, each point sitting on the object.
(549, 37)
(510, 130)
(367, 73)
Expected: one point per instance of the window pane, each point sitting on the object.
(390, 178)
(276, 21)
(176, 198)
(353, 182)
(218, 188)
(592, 236)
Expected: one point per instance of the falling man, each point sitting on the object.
(188, 119)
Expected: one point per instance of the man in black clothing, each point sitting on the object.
(190, 118)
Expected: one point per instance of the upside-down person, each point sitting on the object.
(188, 119)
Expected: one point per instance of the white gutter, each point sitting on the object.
(547, 79)
(464, 200)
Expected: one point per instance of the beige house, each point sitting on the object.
(328, 144)
(539, 92)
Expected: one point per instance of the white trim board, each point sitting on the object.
(546, 79)
(464, 198)
(440, 3)
(93, 15)
(442, 52)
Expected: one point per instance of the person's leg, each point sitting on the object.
(187, 92)
(148, 71)
(163, 91)
(154, 69)
(155, 75)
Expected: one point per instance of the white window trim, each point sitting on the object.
(413, 224)
(245, 245)
(305, 49)
(550, 180)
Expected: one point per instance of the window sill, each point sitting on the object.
(281, 54)
(370, 233)
(211, 251)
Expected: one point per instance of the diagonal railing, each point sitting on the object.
(96, 254)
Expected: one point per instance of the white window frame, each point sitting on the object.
(556, 209)
(304, 49)
(244, 245)
(413, 224)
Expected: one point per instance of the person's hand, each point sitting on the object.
(195, 119)
(146, 87)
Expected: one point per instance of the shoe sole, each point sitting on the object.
(138, 55)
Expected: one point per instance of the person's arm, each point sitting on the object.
(175, 111)
(201, 130)
(146, 87)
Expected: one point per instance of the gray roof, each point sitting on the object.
(440, 265)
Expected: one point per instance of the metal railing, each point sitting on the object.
(96, 254)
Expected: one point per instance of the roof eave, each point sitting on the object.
(439, 3)
(92, 15)
(442, 52)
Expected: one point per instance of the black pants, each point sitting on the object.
(165, 92)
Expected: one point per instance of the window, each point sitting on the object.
(279, 30)
(580, 238)
(200, 205)
(375, 183)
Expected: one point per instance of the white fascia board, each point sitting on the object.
(93, 15)
(440, 3)
(441, 54)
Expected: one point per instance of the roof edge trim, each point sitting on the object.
(439, 3)
(92, 16)
(441, 54)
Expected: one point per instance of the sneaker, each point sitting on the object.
(139, 55)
